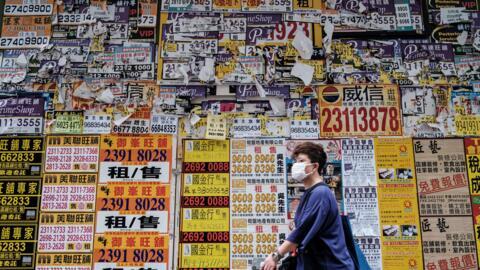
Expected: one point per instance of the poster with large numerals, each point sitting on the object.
(22, 115)
(135, 158)
(398, 204)
(20, 32)
(21, 157)
(258, 199)
(28, 8)
(133, 206)
(204, 209)
(359, 110)
(131, 251)
(133, 201)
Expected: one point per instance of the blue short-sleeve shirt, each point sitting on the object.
(319, 232)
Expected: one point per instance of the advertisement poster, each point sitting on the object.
(24, 32)
(442, 177)
(398, 204)
(72, 153)
(22, 239)
(358, 163)
(20, 200)
(205, 200)
(359, 110)
(131, 251)
(146, 158)
(22, 115)
(370, 247)
(64, 261)
(258, 200)
(67, 122)
(449, 242)
(361, 206)
(66, 232)
(133, 206)
(21, 157)
(472, 151)
(465, 107)
(69, 192)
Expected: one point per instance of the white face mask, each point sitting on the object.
(298, 171)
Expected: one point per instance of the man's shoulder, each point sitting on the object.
(321, 189)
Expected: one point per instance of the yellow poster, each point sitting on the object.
(206, 184)
(398, 204)
(206, 151)
(472, 151)
(204, 255)
(205, 220)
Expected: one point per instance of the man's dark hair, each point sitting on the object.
(314, 152)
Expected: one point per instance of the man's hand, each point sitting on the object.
(269, 263)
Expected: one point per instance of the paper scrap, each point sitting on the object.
(21, 60)
(361, 7)
(106, 96)
(462, 38)
(83, 91)
(194, 119)
(476, 40)
(119, 118)
(184, 71)
(207, 73)
(278, 105)
(303, 44)
(261, 91)
(327, 40)
(304, 72)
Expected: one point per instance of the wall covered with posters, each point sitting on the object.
(157, 134)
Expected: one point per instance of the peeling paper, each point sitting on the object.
(278, 105)
(304, 72)
(261, 91)
(303, 44)
(194, 119)
(462, 38)
(184, 71)
(62, 61)
(21, 60)
(361, 7)
(118, 119)
(106, 96)
(19, 79)
(207, 73)
(327, 40)
(83, 91)
(476, 40)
